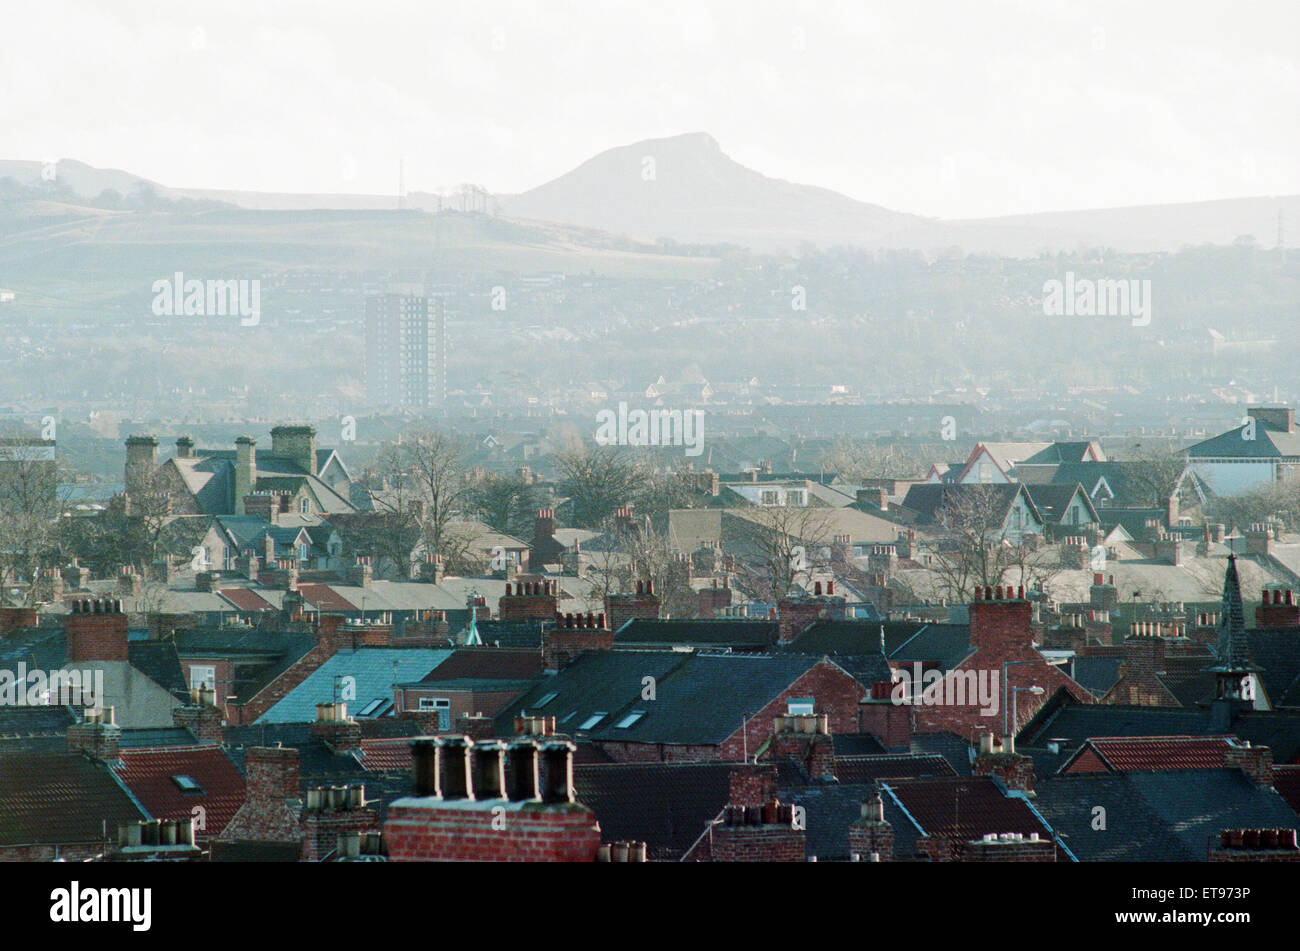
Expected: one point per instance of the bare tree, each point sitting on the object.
(597, 480)
(777, 546)
(973, 550)
(29, 510)
(505, 503)
(631, 552)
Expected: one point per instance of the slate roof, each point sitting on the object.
(1074, 722)
(700, 699)
(1286, 780)
(60, 798)
(666, 805)
(927, 499)
(35, 729)
(375, 670)
(155, 738)
(246, 599)
(149, 775)
(488, 663)
(1058, 452)
(965, 809)
(829, 809)
(158, 661)
(953, 748)
(1165, 816)
(1267, 444)
(734, 632)
(1052, 500)
(1096, 674)
(856, 744)
(1275, 651)
(868, 769)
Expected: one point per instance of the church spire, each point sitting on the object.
(1234, 667)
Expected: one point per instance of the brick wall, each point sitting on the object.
(1011, 849)
(272, 805)
(561, 645)
(621, 608)
(528, 600)
(795, 615)
(1279, 609)
(433, 830)
(96, 630)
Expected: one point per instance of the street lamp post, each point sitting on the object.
(1035, 690)
(1005, 665)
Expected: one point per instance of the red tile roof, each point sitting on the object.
(386, 755)
(148, 774)
(1127, 754)
(325, 598)
(246, 599)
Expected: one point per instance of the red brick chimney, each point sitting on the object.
(750, 830)
(795, 614)
(1000, 621)
(1002, 761)
(572, 635)
(1255, 761)
(806, 739)
(97, 735)
(333, 726)
(544, 549)
(528, 600)
(201, 716)
(887, 721)
(331, 811)
(96, 630)
(621, 608)
(1255, 845)
(871, 837)
(714, 601)
(491, 802)
(272, 803)
(1279, 609)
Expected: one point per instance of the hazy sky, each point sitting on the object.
(956, 109)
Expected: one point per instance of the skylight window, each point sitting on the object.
(186, 783)
(370, 708)
(592, 720)
(628, 720)
(545, 700)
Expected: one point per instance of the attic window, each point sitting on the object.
(186, 784)
(370, 707)
(799, 706)
(592, 720)
(628, 720)
(545, 700)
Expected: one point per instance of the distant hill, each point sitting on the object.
(685, 188)
(688, 189)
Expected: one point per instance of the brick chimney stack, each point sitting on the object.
(544, 549)
(201, 716)
(1002, 761)
(335, 728)
(97, 735)
(96, 630)
(491, 801)
(272, 802)
(621, 608)
(141, 464)
(245, 470)
(528, 600)
(185, 447)
(755, 826)
(297, 444)
(1000, 621)
(806, 739)
(795, 614)
(1255, 761)
(1279, 609)
(572, 635)
(871, 837)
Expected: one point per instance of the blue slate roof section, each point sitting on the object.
(376, 669)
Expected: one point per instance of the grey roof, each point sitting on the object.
(1096, 674)
(750, 633)
(700, 699)
(1052, 500)
(1164, 816)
